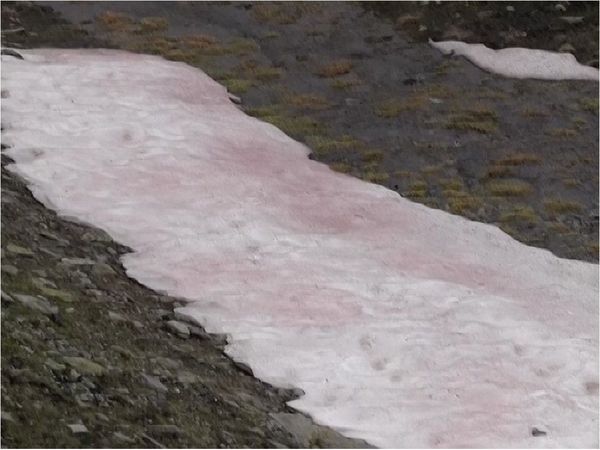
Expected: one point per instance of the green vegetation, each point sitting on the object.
(417, 190)
(481, 120)
(114, 21)
(375, 177)
(520, 214)
(560, 206)
(393, 108)
(509, 187)
(237, 85)
(307, 101)
(153, 24)
(589, 105)
(372, 156)
(341, 167)
(344, 83)
(335, 68)
(563, 133)
(519, 159)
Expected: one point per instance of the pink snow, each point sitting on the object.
(405, 326)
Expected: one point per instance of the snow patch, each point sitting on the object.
(405, 326)
(520, 62)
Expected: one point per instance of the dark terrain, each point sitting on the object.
(358, 84)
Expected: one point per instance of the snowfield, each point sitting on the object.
(405, 326)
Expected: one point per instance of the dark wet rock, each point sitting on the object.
(537, 432)
(11, 52)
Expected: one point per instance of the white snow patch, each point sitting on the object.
(404, 325)
(521, 62)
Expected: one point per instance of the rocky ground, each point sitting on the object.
(91, 358)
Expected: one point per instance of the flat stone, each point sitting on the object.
(55, 366)
(77, 261)
(179, 328)
(78, 428)
(185, 377)
(154, 383)
(11, 270)
(84, 366)
(123, 351)
(167, 363)
(7, 298)
(118, 436)
(57, 294)
(572, 20)
(165, 430)
(116, 317)
(102, 269)
(96, 236)
(37, 303)
(18, 250)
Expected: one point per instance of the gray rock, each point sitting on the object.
(167, 363)
(120, 437)
(11, 52)
(96, 236)
(57, 294)
(185, 377)
(77, 261)
(116, 317)
(566, 48)
(178, 328)
(18, 250)
(560, 7)
(7, 298)
(234, 98)
(78, 428)
(11, 270)
(123, 351)
(37, 303)
(55, 366)
(154, 383)
(572, 20)
(510, 8)
(103, 269)
(7, 417)
(84, 365)
(165, 430)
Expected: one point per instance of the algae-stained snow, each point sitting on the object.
(521, 62)
(405, 326)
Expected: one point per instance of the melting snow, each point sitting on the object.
(404, 325)
(521, 62)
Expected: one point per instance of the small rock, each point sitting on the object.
(165, 430)
(96, 236)
(11, 270)
(116, 317)
(53, 365)
(510, 8)
(560, 7)
(185, 377)
(7, 417)
(485, 14)
(167, 363)
(118, 436)
(154, 383)
(537, 432)
(178, 328)
(78, 428)
(57, 294)
(422, 28)
(77, 261)
(103, 269)
(38, 303)
(234, 98)
(572, 20)
(566, 48)
(243, 367)
(84, 366)
(102, 417)
(7, 298)
(123, 351)
(11, 52)
(18, 250)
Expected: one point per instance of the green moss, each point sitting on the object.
(344, 83)
(375, 177)
(560, 206)
(522, 214)
(335, 68)
(299, 127)
(393, 108)
(589, 105)
(481, 120)
(307, 101)
(563, 133)
(323, 145)
(509, 187)
(341, 167)
(238, 85)
(417, 190)
(153, 24)
(519, 159)
(242, 46)
(372, 156)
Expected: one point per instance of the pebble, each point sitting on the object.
(18, 250)
(154, 383)
(78, 428)
(510, 8)
(38, 303)
(178, 328)
(537, 432)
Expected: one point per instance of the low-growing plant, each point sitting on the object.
(393, 108)
(509, 187)
(335, 68)
(561, 206)
(481, 120)
(153, 24)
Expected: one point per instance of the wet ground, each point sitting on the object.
(522, 154)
